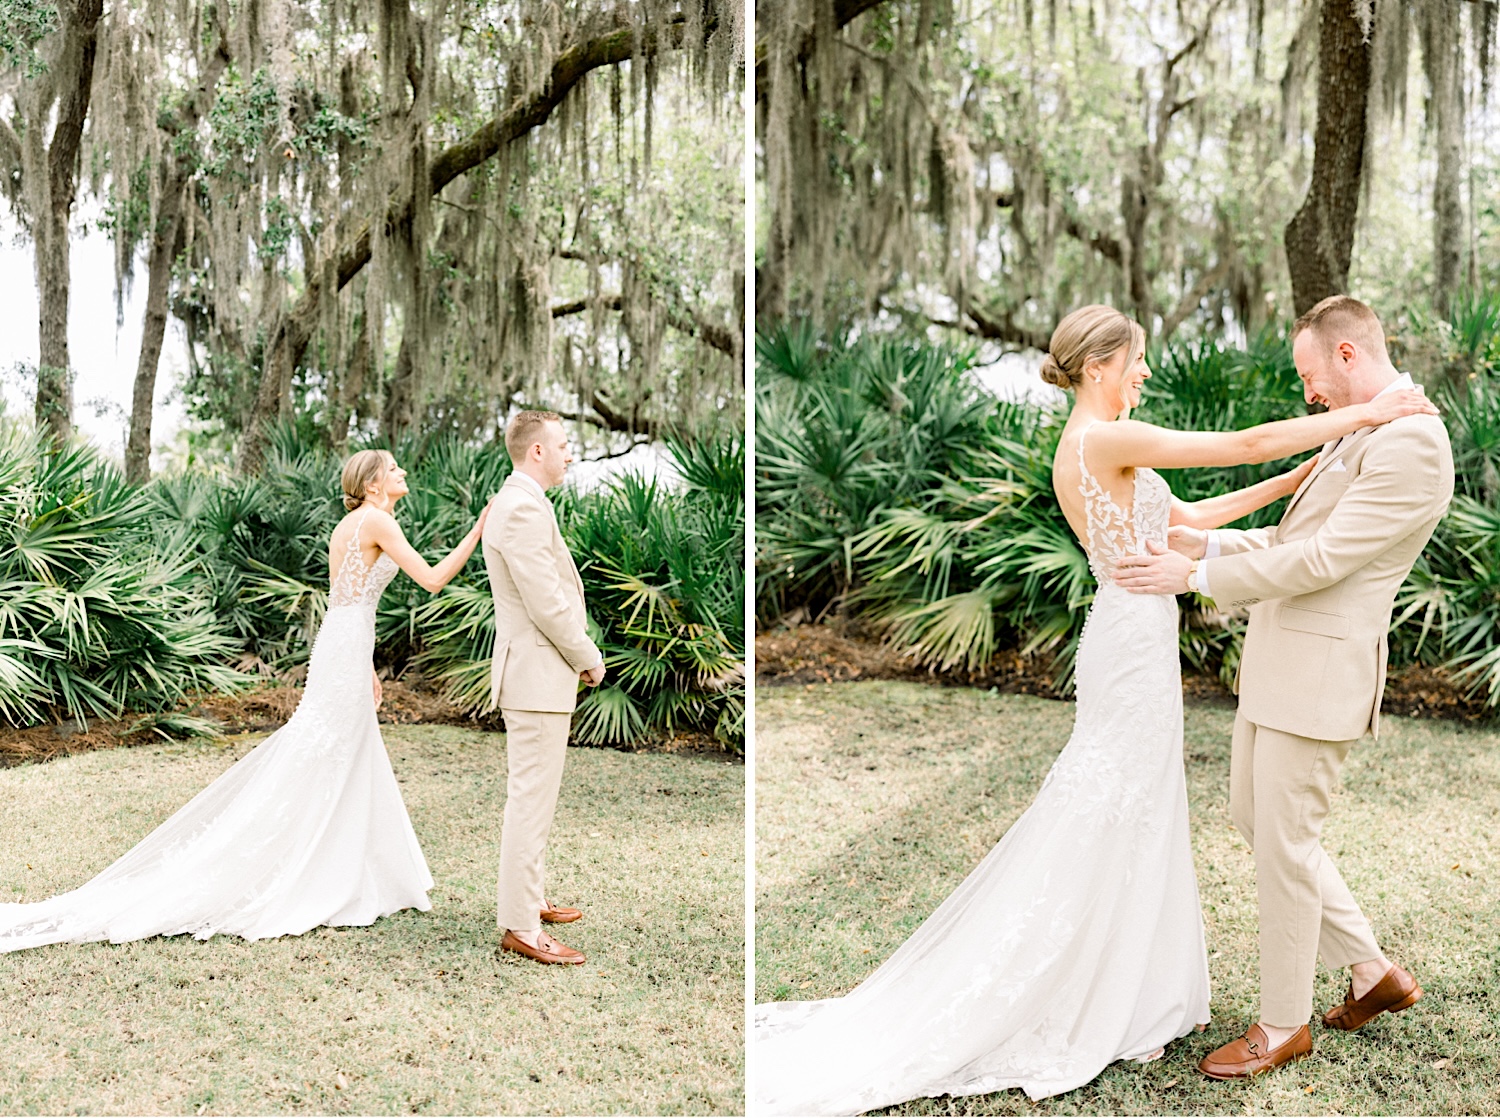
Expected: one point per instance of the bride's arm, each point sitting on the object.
(1129, 442)
(1215, 512)
(386, 532)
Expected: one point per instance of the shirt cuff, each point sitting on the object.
(1203, 576)
(1211, 551)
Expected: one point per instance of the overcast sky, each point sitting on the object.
(103, 355)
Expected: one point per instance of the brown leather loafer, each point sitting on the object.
(547, 949)
(1251, 1054)
(557, 914)
(1398, 990)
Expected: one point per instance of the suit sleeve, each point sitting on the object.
(1400, 486)
(520, 537)
(1233, 541)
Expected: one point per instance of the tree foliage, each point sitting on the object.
(396, 216)
(988, 167)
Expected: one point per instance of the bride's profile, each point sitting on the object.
(1078, 940)
(309, 827)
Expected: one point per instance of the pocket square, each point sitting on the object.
(1338, 467)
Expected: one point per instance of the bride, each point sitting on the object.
(308, 828)
(1078, 940)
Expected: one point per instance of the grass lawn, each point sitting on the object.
(419, 1013)
(875, 799)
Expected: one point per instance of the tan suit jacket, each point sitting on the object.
(1322, 582)
(541, 627)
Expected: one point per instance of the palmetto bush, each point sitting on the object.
(102, 606)
(888, 481)
(663, 570)
(1449, 610)
(890, 484)
(843, 434)
(114, 598)
(664, 574)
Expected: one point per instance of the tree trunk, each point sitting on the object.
(54, 375)
(400, 410)
(166, 242)
(54, 380)
(289, 340)
(1320, 238)
(1443, 46)
(1135, 210)
(350, 385)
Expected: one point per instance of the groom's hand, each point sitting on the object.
(1192, 542)
(593, 677)
(1161, 572)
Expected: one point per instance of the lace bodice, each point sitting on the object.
(1113, 532)
(357, 584)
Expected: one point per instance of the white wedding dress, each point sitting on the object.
(308, 828)
(1078, 940)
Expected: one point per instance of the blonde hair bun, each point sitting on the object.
(1090, 334)
(362, 469)
(1053, 373)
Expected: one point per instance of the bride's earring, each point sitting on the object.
(1098, 379)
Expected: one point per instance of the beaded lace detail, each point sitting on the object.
(1113, 532)
(357, 584)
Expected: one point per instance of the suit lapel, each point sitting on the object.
(1325, 459)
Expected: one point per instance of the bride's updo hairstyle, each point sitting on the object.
(362, 470)
(1092, 333)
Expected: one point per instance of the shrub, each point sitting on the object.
(889, 483)
(102, 606)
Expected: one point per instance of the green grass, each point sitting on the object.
(418, 1013)
(875, 799)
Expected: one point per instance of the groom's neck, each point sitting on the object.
(1365, 385)
(525, 468)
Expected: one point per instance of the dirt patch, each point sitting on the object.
(840, 651)
(404, 702)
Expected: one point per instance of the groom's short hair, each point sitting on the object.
(524, 429)
(1343, 318)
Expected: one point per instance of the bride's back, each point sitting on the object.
(344, 534)
(1068, 481)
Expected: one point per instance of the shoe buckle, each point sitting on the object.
(1254, 1048)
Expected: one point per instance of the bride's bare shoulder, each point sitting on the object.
(362, 520)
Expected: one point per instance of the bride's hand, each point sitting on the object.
(1393, 405)
(483, 515)
(379, 691)
(1292, 479)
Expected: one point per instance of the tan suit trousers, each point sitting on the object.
(535, 745)
(1279, 786)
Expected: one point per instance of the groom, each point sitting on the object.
(542, 650)
(1320, 586)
